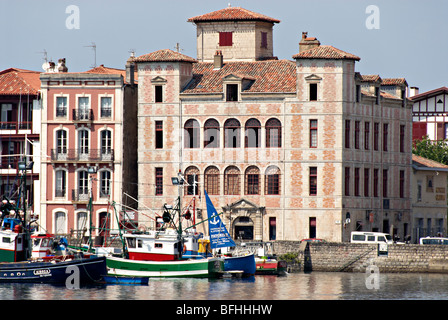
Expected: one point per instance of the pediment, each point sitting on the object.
(158, 79)
(232, 77)
(313, 77)
(242, 204)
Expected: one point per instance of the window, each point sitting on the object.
(347, 133)
(192, 178)
(231, 92)
(401, 183)
(272, 180)
(313, 133)
(191, 128)
(232, 133)
(225, 39)
(82, 221)
(232, 181)
(312, 227)
(252, 180)
(402, 137)
(105, 184)
(252, 134)
(60, 223)
(375, 182)
(83, 108)
(60, 179)
(313, 91)
(366, 135)
(106, 107)
(385, 136)
(376, 133)
(83, 183)
(158, 93)
(347, 181)
(211, 134)
(264, 40)
(377, 95)
(159, 134)
(159, 181)
(83, 143)
(358, 93)
(212, 180)
(366, 181)
(385, 178)
(357, 131)
(61, 141)
(357, 182)
(313, 181)
(61, 106)
(106, 142)
(273, 133)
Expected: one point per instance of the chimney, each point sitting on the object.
(413, 91)
(307, 43)
(61, 65)
(218, 60)
(130, 69)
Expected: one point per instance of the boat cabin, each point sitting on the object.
(154, 246)
(12, 241)
(42, 245)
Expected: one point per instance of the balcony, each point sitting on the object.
(16, 126)
(80, 195)
(82, 115)
(89, 155)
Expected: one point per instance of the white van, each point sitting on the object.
(433, 240)
(370, 237)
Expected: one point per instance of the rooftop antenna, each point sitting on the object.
(177, 47)
(132, 52)
(45, 55)
(93, 46)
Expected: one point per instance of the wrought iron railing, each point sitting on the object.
(83, 154)
(83, 114)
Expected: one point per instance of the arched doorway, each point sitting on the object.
(243, 228)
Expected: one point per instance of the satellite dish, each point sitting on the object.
(45, 66)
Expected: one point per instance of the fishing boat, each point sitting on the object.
(220, 238)
(270, 266)
(159, 253)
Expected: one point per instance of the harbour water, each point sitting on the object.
(294, 286)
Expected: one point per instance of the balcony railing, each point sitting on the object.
(16, 125)
(80, 195)
(82, 115)
(83, 154)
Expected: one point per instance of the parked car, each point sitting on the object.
(433, 240)
(370, 237)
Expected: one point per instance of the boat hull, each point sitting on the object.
(125, 280)
(242, 263)
(270, 267)
(196, 268)
(86, 270)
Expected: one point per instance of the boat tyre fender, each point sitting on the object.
(185, 249)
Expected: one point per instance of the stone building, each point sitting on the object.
(89, 136)
(429, 205)
(286, 149)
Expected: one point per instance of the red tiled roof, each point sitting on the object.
(232, 13)
(430, 93)
(370, 78)
(107, 70)
(265, 76)
(393, 81)
(167, 55)
(427, 163)
(15, 81)
(325, 52)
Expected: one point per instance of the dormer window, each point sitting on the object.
(313, 84)
(225, 39)
(232, 92)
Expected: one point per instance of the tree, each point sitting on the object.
(433, 150)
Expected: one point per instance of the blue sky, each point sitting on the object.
(411, 41)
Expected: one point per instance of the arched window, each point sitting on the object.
(61, 143)
(82, 222)
(191, 132)
(273, 133)
(105, 178)
(272, 180)
(252, 180)
(232, 129)
(60, 220)
(83, 186)
(106, 144)
(83, 144)
(232, 181)
(60, 183)
(212, 180)
(252, 134)
(192, 177)
(211, 134)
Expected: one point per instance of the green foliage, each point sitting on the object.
(433, 150)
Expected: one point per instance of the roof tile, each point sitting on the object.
(232, 13)
(164, 55)
(15, 81)
(325, 52)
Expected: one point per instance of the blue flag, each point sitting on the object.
(219, 236)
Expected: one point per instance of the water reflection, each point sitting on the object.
(297, 286)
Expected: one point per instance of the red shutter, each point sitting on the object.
(418, 130)
(225, 39)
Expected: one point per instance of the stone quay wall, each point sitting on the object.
(350, 257)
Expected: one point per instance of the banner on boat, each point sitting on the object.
(219, 236)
